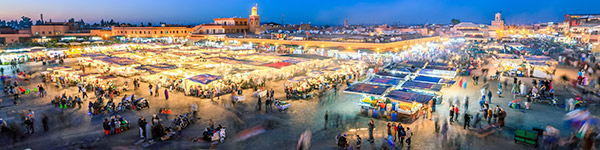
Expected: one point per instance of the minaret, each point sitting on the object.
(42, 18)
(254, 21)
(346, 22)
(281, 20)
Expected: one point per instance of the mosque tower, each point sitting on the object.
(254, 21)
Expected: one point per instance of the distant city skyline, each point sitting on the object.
(190, 12)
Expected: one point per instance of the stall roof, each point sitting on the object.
(363, 88)
(428, 79)
(409, 96)
(278, 65)
(386, 81)
(448, 68)
(204, 78)
(119, 60)
(156, 68)
(392, 75)
(422, 86)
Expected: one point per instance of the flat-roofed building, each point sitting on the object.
(179, 31)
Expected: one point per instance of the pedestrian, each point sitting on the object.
(489, 96)
(399, 130)
(408, 136)
(451, 113)
(358, 141)
(466, 103)
(150, 89)
(156, 94)
(259, 104)
(477, 120)
(166, 94)
(45, 122)
(490, 113)
(142, 126)
(456, 112)
(155, 120)
(106, 127)
(371, 127)
(527, 102)
(326, 117)
(29, 125)
(467, 123)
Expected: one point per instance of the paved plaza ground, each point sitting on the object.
(74, 128)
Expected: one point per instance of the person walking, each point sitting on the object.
(45, 122)
(142, 126)
(489, 96)
(156, 94)
(409, 134)
(490, 113)
(399, 132)
(326, 118)
(451, 113)
(466, 103)
(166, 94)
(29, 125)
(259, 104)
(467, 123)
(456, 113)
(371, 128)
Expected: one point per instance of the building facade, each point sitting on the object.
(148, 32)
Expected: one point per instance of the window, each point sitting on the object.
(36, 33)
(161, 32)
(43, 32)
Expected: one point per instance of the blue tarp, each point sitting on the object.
(204, 78)
(156, 68)
(422, 86)
(537, 58)
(409, 96)
(393, 75)
(427, 79)
(367, 89)
(93, 55)
(441, 68)
(416, 64)
(118, 60)
(388, 81)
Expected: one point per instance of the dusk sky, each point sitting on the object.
(318, 12)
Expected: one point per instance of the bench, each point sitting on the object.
(527, 137)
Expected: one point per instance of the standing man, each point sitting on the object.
(326, 118)
(371, 127)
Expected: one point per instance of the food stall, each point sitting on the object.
(409, 104)
(372, 104)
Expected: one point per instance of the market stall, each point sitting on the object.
(434, 80)
(423, 87)
(439, 71)
(409, 104)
